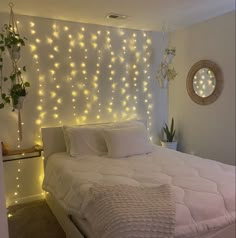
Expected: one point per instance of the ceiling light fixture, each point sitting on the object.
(116, 16)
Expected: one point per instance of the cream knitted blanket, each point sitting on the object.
(124, 211)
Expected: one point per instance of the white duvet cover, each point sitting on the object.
(204, 189)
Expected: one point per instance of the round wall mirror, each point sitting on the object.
(204, 82)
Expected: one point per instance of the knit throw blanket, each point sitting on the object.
(124, 211)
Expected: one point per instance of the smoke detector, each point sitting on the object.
(116, 16)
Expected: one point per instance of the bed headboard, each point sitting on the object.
(53, 141)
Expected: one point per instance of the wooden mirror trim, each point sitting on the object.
(218, 77)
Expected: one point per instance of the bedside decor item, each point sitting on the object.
(166, 71)
(204, 82)
(169, 141)
(13, 87)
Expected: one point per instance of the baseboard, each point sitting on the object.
(26, 199)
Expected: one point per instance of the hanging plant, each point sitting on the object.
(11, 43)
(12, 87)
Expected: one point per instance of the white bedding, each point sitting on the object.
(204, 189)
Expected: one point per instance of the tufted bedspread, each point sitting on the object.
(204, 190)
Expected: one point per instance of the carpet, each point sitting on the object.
(33, 220)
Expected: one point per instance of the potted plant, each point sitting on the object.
(10, 40)
(12, 88)
(169, 142)
(18, 93)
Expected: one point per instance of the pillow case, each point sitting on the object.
(100, 127)
(127, 141)
(86, 141)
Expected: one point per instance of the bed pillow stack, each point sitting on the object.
(113, 139)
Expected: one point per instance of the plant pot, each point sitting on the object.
(14, 52)
(170, 145)
(19, 104)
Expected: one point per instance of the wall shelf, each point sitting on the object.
(33, 152)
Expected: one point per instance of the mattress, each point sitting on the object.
(204, 190)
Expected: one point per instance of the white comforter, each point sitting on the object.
(204, 189)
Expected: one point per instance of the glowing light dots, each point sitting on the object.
(86, 92)
(74, 93)
(55, 48)
(56, 65)
(72, 64)
(92, 58)
(37, 40)
(49, 40)
(51, 56)
(33, 48)
(35, 56)
(66, 28)
(59, 100)
(56, 34)
(39, 108)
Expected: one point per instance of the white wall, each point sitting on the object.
(3, 212)
(208, 131)
(81, 73)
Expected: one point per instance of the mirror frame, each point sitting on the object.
(218, 77)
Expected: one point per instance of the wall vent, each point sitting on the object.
(116, 16)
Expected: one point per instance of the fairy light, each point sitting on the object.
(100, 60)
(49, 40)
(66, 28)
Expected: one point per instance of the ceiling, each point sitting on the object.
(142, 14)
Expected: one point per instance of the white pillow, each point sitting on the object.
(86, 141)
(127, 141)
(101, 126)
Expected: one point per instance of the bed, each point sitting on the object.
(203, 190)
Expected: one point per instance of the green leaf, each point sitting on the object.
(172, 125)
(1, 105)
(170, 133)
(7, 100)
(27, 84)
(21, 42)
(13, 77)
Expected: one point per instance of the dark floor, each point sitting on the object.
(33, 220)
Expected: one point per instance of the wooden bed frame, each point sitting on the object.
(53, 142)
